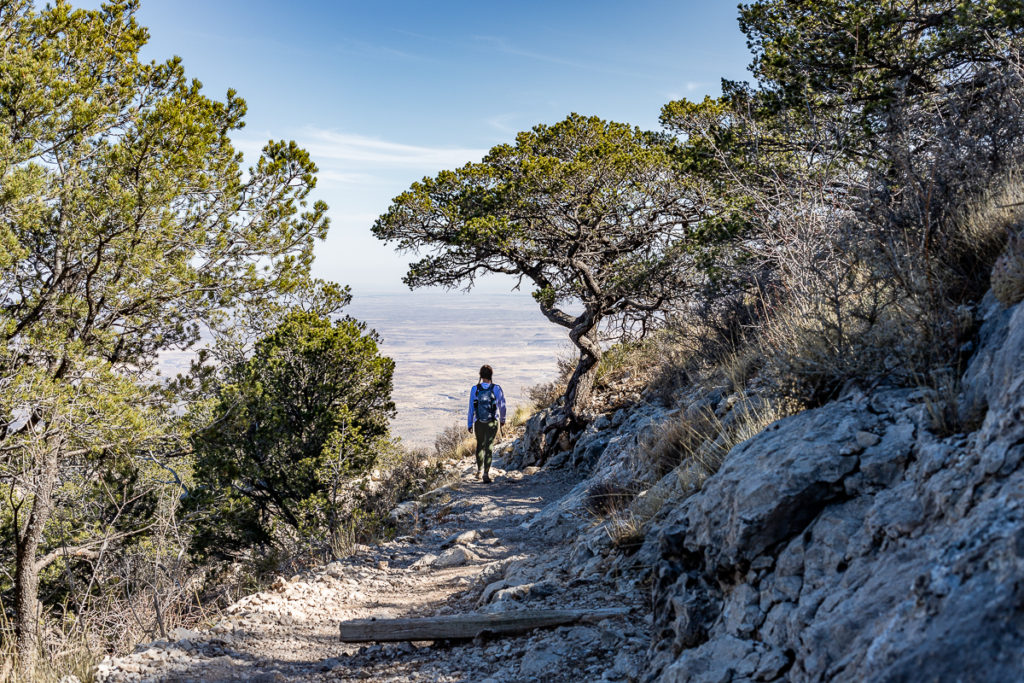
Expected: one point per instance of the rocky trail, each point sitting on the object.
(470, 547)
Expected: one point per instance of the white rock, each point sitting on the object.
(184, 634)
(425, 561)
(404, 510)
(455, 557)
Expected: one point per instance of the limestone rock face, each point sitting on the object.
(526, 450)
(851, 542)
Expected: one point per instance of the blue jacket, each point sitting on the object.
(499, 398)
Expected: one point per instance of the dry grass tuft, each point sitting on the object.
(740, 366)
(690, 447)
(987, 226)
(607, 497)
(521, 415)
(994, 229)
(626, 531)
(65, 649)
(454, 443)
(1008, 273)
(679, 439)
(700, 440)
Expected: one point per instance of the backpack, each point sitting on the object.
(485, 405)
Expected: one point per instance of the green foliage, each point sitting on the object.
(840, 79)
(308, 410)
(867, 55)
(127, 225)
(128, 220)
(581, 195)
(585, 209)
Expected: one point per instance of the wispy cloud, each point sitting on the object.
(363, 49)
(350, 147)
(353, 159)
(503, 122)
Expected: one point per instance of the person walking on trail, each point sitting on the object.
(486, 409)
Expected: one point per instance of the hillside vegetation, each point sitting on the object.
(790, 248)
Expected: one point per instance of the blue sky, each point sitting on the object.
(384, 92)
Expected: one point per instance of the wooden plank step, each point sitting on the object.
(468, 626)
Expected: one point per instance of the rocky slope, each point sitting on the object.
(853, 542)
(879, 537)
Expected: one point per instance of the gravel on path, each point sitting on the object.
(469, 548)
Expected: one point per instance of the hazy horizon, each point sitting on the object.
(439, 340)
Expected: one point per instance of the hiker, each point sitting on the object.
(486, 406)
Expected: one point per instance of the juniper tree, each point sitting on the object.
(310, 406)
(585, 210)
(870, 128)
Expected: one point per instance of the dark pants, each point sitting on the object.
(485, 433)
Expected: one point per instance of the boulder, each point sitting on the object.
(455, 557)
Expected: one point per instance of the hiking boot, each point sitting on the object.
(487, 479)
(477, 472)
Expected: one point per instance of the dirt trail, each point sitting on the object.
(290, 633)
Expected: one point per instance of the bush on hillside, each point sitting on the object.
(454, 442)
(308, 411)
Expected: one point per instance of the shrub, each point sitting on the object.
(453, 442)
(654, 364)
(400, 475)
(852, 305)
(307, 411)
(813, 347)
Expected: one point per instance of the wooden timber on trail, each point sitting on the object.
(468, 626)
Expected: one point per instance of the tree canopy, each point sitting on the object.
(585, 210)
(858, 54)
(127, 226)
(310, 406)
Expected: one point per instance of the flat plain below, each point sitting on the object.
(439, 340)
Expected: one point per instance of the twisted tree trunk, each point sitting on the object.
(567, 421)
(580, 384)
